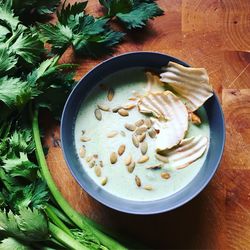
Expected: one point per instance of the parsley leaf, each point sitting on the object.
(87, 35)
(133, 14)
(28, 225)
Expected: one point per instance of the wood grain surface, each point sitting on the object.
(214, 34)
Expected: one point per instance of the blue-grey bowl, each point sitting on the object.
(77, 96)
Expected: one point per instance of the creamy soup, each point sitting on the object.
(106, 135)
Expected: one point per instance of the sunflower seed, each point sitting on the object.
(130, 127)
(148, 187)
(84, 138)
(155, 166)
(148, 123)
(161, 158)
(98, 114)
(110, 94)
(82, 151)
(165, 175)
(129, 106)
(113, 158)
(140, 130)
(143, 159)
(152, 133)
(112, 134)
(139, 123)
(137, 181)
(121, 149)
(123, 133)
(101, 164)
(98, 171)
(131, 167)
(115, 109)
(141, 137)
(135, 140)
(104, 181)
(91, 164)
(128, 159)
(123, 112)
(144, 148)
(103, 107)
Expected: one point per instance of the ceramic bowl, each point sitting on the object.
(80, 92)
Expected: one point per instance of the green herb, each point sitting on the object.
(133, 14)
(86, 34)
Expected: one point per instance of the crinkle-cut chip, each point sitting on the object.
(188, 151)
(190, 83)
(172, 117)
(153, 81)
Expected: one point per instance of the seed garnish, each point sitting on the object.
(115, 109)
(143, 159)
(85, 138)
(121, 149)
(152, 133)
(128, 159)
(137, 181)
(148, 123)
(112, 134)
(144, 147)
(113, 158)
(141, 130)
(123, 133)
(103, 107)
(101, 164)
(130, 127)
(135, 140)
(110, 94)
(131, 167)
(98, 170)
(123, 112)
(129, 106)
(104, 181)
(161, 158)
(91, 164)
(139, 123)
(141, 137)
(98, 114)
(82, 151)
(83, 132)
(165, 175)
(89, 158)
(148, 187)
(158, 166)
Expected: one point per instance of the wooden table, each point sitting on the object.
(214, 34)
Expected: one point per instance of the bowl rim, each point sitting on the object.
(183, 201)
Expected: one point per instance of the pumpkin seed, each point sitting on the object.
(135, 140)
(113, 158)
(84, 138)
(123, 112)
(103, 107)
(144, 148)
(143, 159)
(129, 106)
(161, 158)
(141, 137)
(115, 110)
(98, 114)
(110, 94)
(104, 181)
(137, 181)
(112, 134)
(148, 187)
(139, 123)
(141, 130)
(82, 151)
(165, 175)
(131, 167)
(98, 171)
(152, 133)
(128, 159)
(121, 149)
(130, 127)
(148, 123)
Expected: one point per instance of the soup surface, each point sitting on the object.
(119, 181)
